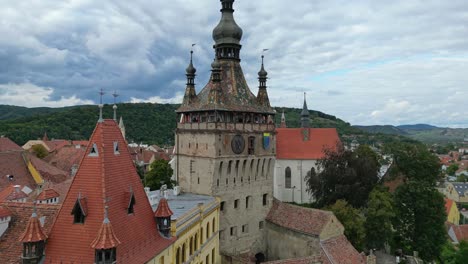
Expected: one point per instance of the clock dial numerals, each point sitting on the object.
(237, 144)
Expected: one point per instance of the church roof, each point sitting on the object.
(290, 143)
(104, 178)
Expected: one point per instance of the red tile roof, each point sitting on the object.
(4, 212)
(106, 177)
(48, 194)
(12, 192)
(34, 231)
(106, 238)
(48, 172)
(10, 246)
(304, 260)
(461, 232)
(7, 144)
(297, 218)
(12, 163)
(163, 209)
(448, 205)
(66, 157)
(290, 143)
(56, 144)
(338, 250)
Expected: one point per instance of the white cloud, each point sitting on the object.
(156, 99)
(30, 95)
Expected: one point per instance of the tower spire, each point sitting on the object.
(190, 95)
(262, 96)
(305, 116)
(283, 121)
(115, 95)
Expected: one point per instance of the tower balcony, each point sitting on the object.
(224, 126)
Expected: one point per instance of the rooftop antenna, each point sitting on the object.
(101, 93)
(115, 95)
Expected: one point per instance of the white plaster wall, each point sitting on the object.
(299, 170)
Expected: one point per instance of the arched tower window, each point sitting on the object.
(287, 178)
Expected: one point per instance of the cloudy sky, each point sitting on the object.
(367, 62)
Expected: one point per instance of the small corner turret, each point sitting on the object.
(262, 96)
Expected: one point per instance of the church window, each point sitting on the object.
(261, 224)
(247, 201)
(236, 203)
(94, 151)
(221, 206)
(104, 256)
(287, 178)
(79, 211)
(265, 199)
(251, 149)
(116, 147)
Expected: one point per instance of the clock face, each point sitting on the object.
(237, 144)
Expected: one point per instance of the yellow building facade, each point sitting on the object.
(453, 214)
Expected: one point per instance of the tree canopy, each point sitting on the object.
(380, 213)
(40, 151)
(344, 174)
(160, 173)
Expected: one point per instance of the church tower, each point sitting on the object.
(225, 142)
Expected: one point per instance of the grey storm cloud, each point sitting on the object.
(368, 62)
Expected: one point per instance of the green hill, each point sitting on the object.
(144, 122)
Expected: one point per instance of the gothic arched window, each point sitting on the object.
(287, 178)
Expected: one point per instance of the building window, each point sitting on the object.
(213, 224)
(161, 260)
(229, 168)
(207, 230)
(237, 169)
(195, 243)
(116, 147)
(221, 234)
(220, 169)
(184, 253)
(201, 236)
(265, 199)
(79, 211)
(287, 178)
(221, 206)
(236, 203)
(213, 256)
(233, 230)
(261, 224)
(207, 259)
(247, 201)
(94, 151)
(191, 246)
(130, 208)
(104, 256)
(251, 149)
(245, 228)
(177, 256)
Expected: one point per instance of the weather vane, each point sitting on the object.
(101, 93)
(115, 95)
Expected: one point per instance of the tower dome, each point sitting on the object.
(227, 31)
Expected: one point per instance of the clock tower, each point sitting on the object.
(225, 142)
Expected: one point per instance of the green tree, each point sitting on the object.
(40, 151)
(159, 174)
(452, 169)
(344, 174)
(380, 213)
(419, 219)
(452, 255)
(353, 222)
(414, 161)
(462, 178)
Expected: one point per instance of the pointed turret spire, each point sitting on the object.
(33, 239)
(283, 121)
(106, 238)
(190, 95)
(115, 95)
(262, 96)
(227, 34)
(122, 127)
(305, 116)
(45, 137)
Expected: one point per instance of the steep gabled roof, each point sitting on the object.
(12, 192)
(12, 163)
(48, 194)
(7, 144)
(290, 143)
(104, 178)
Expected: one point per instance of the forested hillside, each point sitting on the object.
(144, 122)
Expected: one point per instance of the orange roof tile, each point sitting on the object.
(106, 237)
(48, 194)
(65, 158)
(12, 163)
(163, 209)
(105, 179)
(290, 143)
(297, 218)
(12, 192)
(48, 172)
(461, 232)
(338, 250)
(7, 144)
(10, 245)
(33, 231)
(4, 212)
(448, 205)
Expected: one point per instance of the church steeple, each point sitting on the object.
(262, 96)
(305, 116)
(190, 95)
(283, 121)
(227, 34)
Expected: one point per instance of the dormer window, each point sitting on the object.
(116, 147)
(94, 151)
(131, 203)
(79, 211)
(106, 256)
